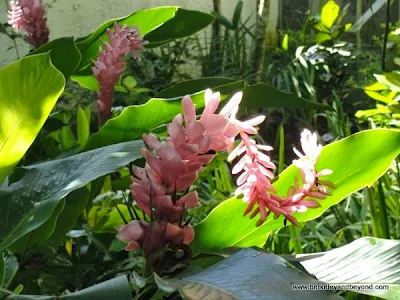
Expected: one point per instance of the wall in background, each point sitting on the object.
(78, 18)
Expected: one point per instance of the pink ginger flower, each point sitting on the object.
(29, 16)
(302, 197)
(172, 166)
(111, 64)
(152, 237)
(255, 185)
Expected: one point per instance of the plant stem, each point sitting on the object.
(385, 37)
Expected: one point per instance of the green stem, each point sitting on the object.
(5, 291)
(383, 211)
(376, 229)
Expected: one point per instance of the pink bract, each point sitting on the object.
(111, 63)
(29, 16)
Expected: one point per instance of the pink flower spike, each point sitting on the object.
(111, 64)
(29, 16)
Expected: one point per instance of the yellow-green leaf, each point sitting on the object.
(29, 88)
(329, 13)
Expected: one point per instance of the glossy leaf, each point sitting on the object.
(379, 259)
(357, 161)
(329, 13)
(64, 54)
(29, 88)
(30, 202)
(116, 288)
(147, 20)
(193, 86)
(75, 203)
(136, 120)
(248, 274)
(183, 24)
(11, 267)
(83, 125)
(2, 269)
(159, 25)
(264, 95)
(42, 233)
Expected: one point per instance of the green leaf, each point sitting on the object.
(2, 269)
(264, 95)
(285, 42)
(183, 24)
(379, 97)
(393, 78)
(11, 268)
(236, 15)
(87, 81)
(378, 258)
(357, 161)
(42, 233)
(113, 219)
(136, 120)
(248, 274)
(116, 288)
(147, 20)
(159, 25)
(29, 88)
(329, 13)
(129, 82)
(64, 55)
(193, 86)
(376, 86)
(74, 205)
(30, 202)
(83, 125)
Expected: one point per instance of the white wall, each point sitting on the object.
(80, 17)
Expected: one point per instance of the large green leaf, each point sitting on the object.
(159, 24)
(29, 88)
(136, 120)
(116, 288)
(192, 86)
(42, 233)
(30, 202)
(356, 161)
(369, 261)
(64, 54)
(147, 20)
(248, 274)
(264, 95)
(75, 203)
(184, 23)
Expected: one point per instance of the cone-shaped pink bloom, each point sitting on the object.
(154, 236)
(29, 16)
(111, 64)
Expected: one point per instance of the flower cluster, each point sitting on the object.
(255, 181)
(29, 15)
(111, 63)
(162, 188)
